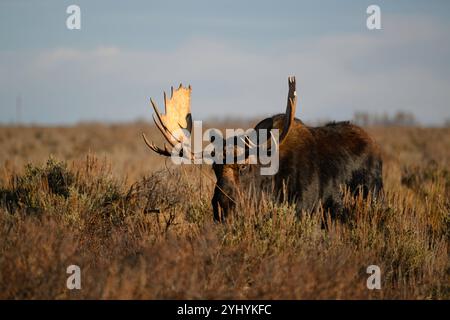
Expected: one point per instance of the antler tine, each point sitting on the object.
(165, 132)
(274, 140)
(251, 142)
(248, 142)
(156, 149)
(155, 107)
(290, 108)
(161, 126)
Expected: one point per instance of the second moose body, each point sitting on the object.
(315, 163)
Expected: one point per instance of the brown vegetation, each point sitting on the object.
(93, 195)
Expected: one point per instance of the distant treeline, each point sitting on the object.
(401, 118)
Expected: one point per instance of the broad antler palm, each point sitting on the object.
(177, 116)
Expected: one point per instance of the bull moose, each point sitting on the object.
(314, 162)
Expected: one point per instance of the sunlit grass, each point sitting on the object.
(147, 232)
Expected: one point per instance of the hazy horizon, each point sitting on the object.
(237, 57)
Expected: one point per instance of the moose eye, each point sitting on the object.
(243, 168)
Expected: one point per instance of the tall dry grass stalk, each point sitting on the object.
(139, 230)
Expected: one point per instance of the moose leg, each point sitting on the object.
(333, 210)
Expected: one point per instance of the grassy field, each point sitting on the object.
(87, 195)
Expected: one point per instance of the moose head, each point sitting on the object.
(176, 127)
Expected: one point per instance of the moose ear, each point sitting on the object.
(267, 124)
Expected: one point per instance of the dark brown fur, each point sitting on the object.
(314, 163)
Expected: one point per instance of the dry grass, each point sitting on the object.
(89, 194)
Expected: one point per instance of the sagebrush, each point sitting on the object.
(140, 230)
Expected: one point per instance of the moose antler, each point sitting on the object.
(290, 108)
(287, 124)
(177, 116)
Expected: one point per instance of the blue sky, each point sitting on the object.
(236, 56)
